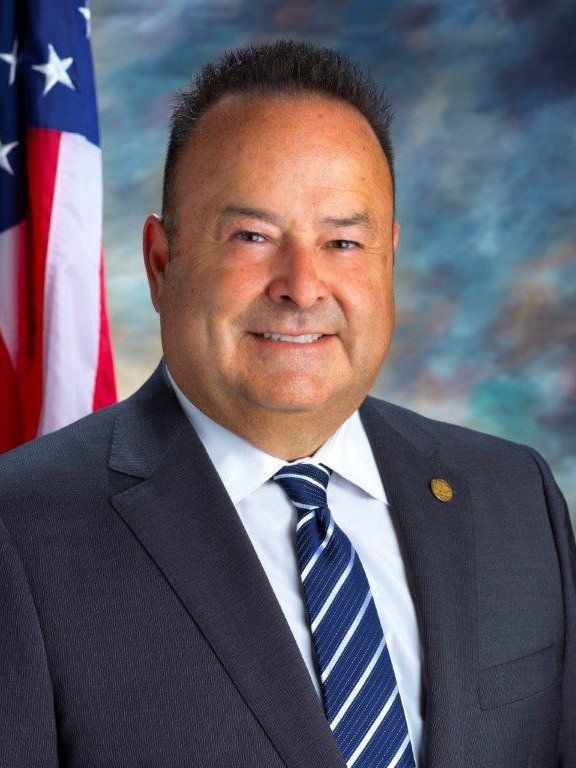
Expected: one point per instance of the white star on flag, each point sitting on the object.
(11, 59)
(4, 162)
(85, 11)
(55, 70)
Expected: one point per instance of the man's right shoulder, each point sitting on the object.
(59, 458)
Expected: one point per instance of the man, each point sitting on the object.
(251, 561)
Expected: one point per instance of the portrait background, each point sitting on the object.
(485, 275)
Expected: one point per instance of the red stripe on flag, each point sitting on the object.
(12, 416)
(105, 384)
(42, 147)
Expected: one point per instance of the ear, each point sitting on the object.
(395, 236)
(156, 256)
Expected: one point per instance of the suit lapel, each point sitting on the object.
(183, 516)
(436, 539)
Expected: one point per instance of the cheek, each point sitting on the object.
(193, 294)
(367, 302)
(230, 292)
(181, 308)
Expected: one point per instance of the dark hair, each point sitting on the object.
(282, 66)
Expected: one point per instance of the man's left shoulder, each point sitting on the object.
(455, 443)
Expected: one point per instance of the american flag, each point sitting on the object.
(55, 353)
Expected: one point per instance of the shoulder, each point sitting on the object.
(454, 443)
(54, 462)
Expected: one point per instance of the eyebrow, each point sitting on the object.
(362, 218)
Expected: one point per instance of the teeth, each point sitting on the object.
(298, 339)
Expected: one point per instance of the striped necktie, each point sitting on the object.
(360, 694)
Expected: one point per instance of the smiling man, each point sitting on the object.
(251, 561)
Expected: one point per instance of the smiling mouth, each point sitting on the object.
(305, 338)
(292, 346)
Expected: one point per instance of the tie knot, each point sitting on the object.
(305, 484)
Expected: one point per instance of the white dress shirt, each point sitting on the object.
(358, 504)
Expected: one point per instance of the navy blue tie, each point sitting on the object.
(359, 690)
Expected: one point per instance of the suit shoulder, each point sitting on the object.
(451, 440)
(60, 456)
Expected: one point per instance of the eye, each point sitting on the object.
(250, 234)
(353, 242)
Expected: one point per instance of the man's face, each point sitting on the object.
(259, 247)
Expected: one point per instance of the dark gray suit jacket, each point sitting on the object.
(138, 627)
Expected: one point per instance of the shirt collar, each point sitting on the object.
(243, 467)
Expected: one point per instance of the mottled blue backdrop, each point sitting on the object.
(485, 100)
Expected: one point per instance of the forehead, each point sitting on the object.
(304, 144)
(310, 120)
(288, 108)
(239, 106)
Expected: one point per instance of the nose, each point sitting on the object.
(297, 277)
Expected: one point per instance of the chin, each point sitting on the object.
(290, 398)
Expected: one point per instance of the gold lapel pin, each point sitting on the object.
(441, 489)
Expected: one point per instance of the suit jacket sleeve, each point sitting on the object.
(566, 548)
(27, 723)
